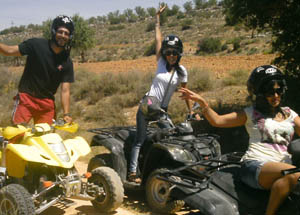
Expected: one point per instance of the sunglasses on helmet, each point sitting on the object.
(171, 52)
(272, 91)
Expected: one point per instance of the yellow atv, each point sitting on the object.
(39, 172)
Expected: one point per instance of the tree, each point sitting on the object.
(199, 4)
(280, 17)
(174, 10)
(84, 36)
(130, 16)
(115, 17)
(151, 11)
(46, 28)
(188, 6)
(140, 12)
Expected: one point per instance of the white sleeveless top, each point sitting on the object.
(161, 81)
(269, 138)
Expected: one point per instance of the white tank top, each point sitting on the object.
(269, 138)
(161, 81)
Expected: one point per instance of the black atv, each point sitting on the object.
(164, 149)
(213, 187)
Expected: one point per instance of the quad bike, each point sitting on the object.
(213, 187)
(39, 172)
(164, 149)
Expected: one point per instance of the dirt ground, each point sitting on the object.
(133, 204)
(217, 64)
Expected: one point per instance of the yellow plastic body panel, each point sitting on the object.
(15, 165)
(36, 149)
(10, 132)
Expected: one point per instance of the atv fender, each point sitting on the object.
(159, 156)
(79, 145)
(208, 201)
(37, 153)
(115, 146)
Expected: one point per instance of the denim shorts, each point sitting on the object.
(250, 171)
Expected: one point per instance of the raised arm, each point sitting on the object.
(9, 50)
(233, 119)
(158, 36)
(187, 101)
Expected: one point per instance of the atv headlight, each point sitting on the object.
(60, 151)
(181, 154)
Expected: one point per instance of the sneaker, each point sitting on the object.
(132, 177)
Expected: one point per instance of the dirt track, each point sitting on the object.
(218, 64)
(79, 206)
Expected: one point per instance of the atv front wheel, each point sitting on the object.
(15, 199)
(113, 192)
(99, 161)
(158, 195)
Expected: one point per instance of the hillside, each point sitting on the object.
(127, 41)
(131, 40)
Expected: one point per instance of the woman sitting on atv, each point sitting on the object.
(169, 74)
(271, 128)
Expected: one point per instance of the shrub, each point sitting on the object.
(224, 47)
(253, 50)
(150, 27)
(150, 50)
(8, 89)
(236, 43)
(187, 24)
(209, 45)
(116, 27)
(238, 77)
(200, 80)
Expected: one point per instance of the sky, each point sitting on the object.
(24, 12)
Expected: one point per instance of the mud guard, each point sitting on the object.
(208, 201)
(80, 146)
(158, 157)
(115, 146)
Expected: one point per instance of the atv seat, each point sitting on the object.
(228, 179)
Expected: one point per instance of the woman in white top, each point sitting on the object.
(169, 75)
(271, 128)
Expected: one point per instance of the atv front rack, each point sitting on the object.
(192, 177)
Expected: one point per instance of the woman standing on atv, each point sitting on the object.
(169, 74)
(271, 128)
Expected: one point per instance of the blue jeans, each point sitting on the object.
(141, 135)
(250, 171)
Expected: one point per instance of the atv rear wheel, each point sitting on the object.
(15, 199)
(99, 161)
(158, 195)
(113, 192)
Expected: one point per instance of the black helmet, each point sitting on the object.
(171, 41)
(62, 21)
(261, 76)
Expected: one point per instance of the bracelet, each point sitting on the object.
(67, 114)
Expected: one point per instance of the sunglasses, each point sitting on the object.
(272, 91)
(171, 52)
